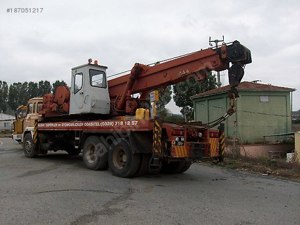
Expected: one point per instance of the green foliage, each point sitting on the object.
(3, 96)
(17, 94)
(174, 118)
(33, 89)
(185, 90)
(164, 98)
(167, 116)
(56, 84)
(44, 87)
(14, 95)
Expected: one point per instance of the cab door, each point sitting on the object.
(18, 123)
(77, 92)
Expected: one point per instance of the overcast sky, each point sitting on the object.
(46, 45)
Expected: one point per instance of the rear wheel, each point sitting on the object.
(94, 154)
(184, 166)
(144, 166)
(29, 147)
(176, 167)
(170, 168)
(122, 161)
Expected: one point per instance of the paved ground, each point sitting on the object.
(58, 189)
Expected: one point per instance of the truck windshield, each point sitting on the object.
(97, 78)
(21, 113)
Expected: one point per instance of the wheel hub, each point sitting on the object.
(28, 146)
(91, 154)
(120, 158)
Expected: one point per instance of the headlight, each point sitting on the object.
(200, 135)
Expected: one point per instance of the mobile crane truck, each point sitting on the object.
(110, 120)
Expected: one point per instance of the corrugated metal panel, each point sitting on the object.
(256, 116)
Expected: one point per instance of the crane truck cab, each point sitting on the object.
(25, 117)
(89, 89)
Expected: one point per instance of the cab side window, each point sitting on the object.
(34, 107)
(30, 108)
(97, 78)
(78, 82)
(39, 107)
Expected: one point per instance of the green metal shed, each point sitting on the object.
(262, 110)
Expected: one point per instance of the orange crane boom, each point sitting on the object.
(142, 78)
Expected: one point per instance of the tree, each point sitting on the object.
(23, 94)
(14, 95)
(44, 87)
(184, 90)
(33, 89)
(164, 98)
(19, 93)
(56, 84)
(3, 96)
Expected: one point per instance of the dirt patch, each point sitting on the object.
(265, 167)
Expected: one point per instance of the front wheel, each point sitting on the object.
(29, 147)
(94, 154)
(122, 161)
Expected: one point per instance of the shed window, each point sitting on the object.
(264, 98)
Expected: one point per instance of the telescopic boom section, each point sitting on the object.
(142, 79)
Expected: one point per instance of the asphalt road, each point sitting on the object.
(58, 189)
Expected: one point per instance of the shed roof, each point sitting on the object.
(245, 86)
(4, 117)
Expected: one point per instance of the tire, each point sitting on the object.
(184, 166)
(30, 150)
(144, 166)
(176, 167)
(122, 161)
(170, 168)
(94, 154)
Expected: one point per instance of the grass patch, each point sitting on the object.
(278, 167)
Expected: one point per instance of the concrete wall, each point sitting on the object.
(263, 151)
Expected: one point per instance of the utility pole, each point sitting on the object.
(216, 41)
